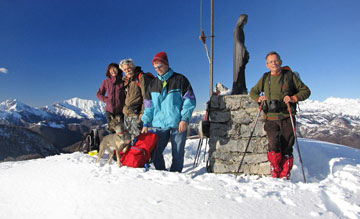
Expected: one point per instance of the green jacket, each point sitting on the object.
(277, 89)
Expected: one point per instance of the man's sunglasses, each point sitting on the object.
(158, 66)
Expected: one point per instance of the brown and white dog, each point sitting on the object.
(119, 141)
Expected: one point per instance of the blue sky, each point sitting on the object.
(55, 50)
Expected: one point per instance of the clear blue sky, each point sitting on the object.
(55, 50)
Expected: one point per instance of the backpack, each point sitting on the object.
(148, 77)
(90, 141)
(139, 154)
(289, 76)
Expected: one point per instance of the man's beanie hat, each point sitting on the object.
(161, 57)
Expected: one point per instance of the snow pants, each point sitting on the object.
(280, 135)
(177, 149)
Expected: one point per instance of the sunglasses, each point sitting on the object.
(158, 66)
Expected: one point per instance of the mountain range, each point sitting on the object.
(62, 124)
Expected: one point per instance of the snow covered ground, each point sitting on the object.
(74, 186)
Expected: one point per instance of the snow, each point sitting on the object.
(51, 124)
(74, 186)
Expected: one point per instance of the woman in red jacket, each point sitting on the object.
(112, 92)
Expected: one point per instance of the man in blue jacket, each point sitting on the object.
(169, 103)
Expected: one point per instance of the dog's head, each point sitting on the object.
(114, 122)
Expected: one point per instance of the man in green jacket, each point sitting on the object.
(280, 87)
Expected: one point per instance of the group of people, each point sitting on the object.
(165, 103)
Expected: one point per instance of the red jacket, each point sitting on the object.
(115, 94)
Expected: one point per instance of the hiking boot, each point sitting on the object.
(287, 163)
(275, 163)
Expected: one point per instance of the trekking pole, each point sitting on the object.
(206, 144)
(198, 151)
(251, 134)
(296, 140)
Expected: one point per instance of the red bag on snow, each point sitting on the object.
(140, 152)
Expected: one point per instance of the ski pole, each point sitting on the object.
(198, 151)
(251, 134)
(206, 144)
(296, 140)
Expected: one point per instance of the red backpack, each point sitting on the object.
(140, 153)
(148, 77)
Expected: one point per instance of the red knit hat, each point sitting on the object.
(161, 57)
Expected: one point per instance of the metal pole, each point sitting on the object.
(251, 134)
(211, 49)
(296, 140)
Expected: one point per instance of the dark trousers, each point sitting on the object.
(280, 135)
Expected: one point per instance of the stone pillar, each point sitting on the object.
(231, 121)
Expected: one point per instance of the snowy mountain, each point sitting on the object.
(62, 123)
(74, 186)
(77, 108)
(334, 120)
(14, 112)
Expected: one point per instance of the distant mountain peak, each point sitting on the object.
(77, 108)
(221, 89)
(10, 104)
(17, 112)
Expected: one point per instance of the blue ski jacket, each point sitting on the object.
(169, 99)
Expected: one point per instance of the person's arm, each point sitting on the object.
(189, 101)
(256, 91)
(142, 83)
(100, 94)
(303, 90)
(147, 117)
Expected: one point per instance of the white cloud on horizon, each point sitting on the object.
(3, 70)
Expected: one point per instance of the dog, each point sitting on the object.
(118, 141)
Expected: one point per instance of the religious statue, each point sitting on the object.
(241, 57)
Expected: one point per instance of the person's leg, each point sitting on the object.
(132, 124)
(157, 154)
(274, 154)
(177, 150)
(288, 139)
(287, 164)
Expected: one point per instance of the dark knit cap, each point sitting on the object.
(161, 57)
